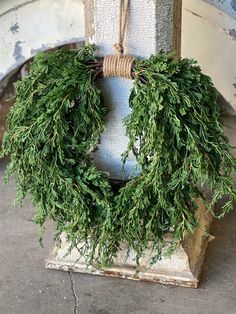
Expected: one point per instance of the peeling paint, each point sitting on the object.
(14, 28)
(21, 36)
(42, 48)
(227, 6)
(20, 59)
(232, 33)
(17, 54)
(233, 5)
(228, 32)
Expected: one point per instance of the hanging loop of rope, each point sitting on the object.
(123, 16)
(119, 64)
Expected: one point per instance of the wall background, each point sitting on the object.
(209, 35)
(27, 26)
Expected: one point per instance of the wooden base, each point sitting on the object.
(183, 268)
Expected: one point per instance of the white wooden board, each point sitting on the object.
(183, 268)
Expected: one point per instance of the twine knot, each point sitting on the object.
(119, 48)
(119, 65)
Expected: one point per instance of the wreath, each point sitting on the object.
(174, 132)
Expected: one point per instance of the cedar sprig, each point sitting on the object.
(174, 132)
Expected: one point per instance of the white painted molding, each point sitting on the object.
(209, 36)
(29, 26)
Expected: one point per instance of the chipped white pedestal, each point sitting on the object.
(183, 268)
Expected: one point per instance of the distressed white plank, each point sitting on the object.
(150, 29)
(183, 268)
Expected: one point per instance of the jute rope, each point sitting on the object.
(119, 64)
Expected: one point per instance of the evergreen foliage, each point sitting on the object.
(174, 132)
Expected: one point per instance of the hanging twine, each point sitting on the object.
(119, 65)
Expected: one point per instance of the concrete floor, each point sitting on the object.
(26, 287)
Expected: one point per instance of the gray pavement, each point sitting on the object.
(26, 287)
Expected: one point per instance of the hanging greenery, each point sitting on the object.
(174, 132)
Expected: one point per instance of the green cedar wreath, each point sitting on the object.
(174, 133)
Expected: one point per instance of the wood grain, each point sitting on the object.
(177, 27)
(89, 20)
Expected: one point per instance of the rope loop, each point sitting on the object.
(119, 64)
(123, 16)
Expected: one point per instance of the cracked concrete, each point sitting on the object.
(26, 287)
(76, 305)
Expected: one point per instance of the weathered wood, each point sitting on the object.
(177, 19)
(89, 20)
(150, 29)
(182, 269)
